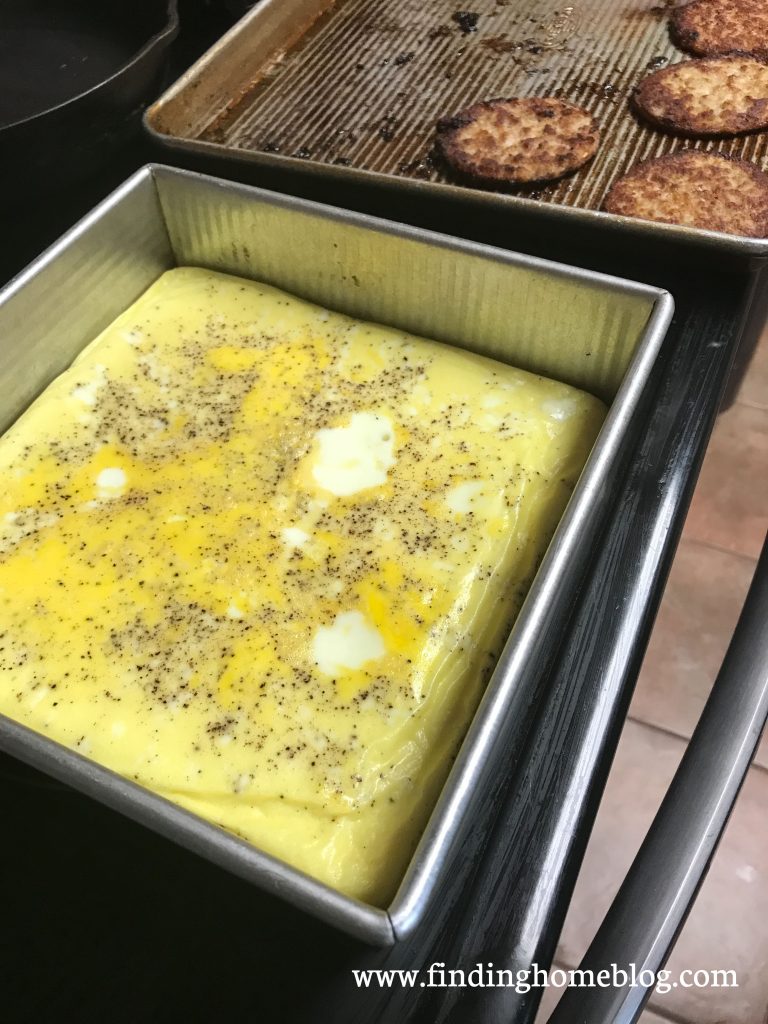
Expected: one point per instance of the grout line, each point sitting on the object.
(721, 412)
(751, 405)
(672, 1018)
(746, 402)
(659, 728)
(741, 401)
(714, 547)
(680, 736)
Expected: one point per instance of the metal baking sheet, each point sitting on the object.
(598, 332)
(355, 87)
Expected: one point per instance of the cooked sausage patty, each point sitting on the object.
(700, 190)
(712, 96)
(517, 140)
(708, 27)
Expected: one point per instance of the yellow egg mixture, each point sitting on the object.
(261, 558)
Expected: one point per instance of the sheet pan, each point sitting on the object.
(352, 89)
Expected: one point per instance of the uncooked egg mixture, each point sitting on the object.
(261, 558)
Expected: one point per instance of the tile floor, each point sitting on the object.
(728, 927)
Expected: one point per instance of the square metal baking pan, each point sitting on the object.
(351, 89)
(596, 332)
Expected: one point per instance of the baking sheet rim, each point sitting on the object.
(740, 244)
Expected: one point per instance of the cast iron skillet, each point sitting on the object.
(74, 76)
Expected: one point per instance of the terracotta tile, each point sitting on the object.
(701, 605)
(726, 928)
(730, 506)
(754, 387)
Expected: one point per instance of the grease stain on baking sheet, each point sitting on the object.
(385, 73)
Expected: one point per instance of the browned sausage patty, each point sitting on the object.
(712, 96)
(700, 190)
(709, 27)
(517, 140)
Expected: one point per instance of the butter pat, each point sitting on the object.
(349, 643)
(355, 456)
(261, 559)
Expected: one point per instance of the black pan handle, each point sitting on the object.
(646, 917)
